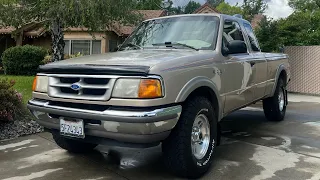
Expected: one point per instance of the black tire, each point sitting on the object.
(71, 145)
(271, 106)
(177, 147)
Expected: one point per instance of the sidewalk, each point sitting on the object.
(293, 97)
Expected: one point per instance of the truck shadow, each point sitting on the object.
(148, 163)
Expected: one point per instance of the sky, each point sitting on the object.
(276, 8)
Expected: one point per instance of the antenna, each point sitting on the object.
(238, 16)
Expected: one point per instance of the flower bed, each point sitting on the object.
(15, 120)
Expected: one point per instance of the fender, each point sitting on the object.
(280, 69)
(195, 83)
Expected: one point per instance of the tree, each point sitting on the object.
(95, 15)
(268, 35)
(191, 7)
(148, 4)
(176, 10)
(226, 8)
(215, 3)
(304, 5)
(252, 7)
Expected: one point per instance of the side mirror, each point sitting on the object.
(235, 47)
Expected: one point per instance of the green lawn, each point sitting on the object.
(23, 85)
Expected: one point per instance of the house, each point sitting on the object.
(76, 39)
(256, 20)
(206, 8)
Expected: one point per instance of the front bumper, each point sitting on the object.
(125, 125)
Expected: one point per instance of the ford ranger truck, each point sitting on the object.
(170, 83)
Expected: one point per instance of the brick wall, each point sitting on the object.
(305, 69)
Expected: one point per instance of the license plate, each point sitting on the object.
(72, 127)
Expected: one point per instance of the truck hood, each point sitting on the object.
(127, 58)
(134, 62)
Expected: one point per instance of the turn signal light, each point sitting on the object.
(150, 88)
(34, 85)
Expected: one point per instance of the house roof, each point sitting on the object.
(6, 30)
(36, 30)
(206, 8)
(147, 14)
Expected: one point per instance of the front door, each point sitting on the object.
(238, 74)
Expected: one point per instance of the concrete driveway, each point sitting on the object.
(252, 148)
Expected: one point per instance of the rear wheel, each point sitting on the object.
(275, 107)
(71, 145)
(189, 149)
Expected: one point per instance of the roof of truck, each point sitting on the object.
(206, 14)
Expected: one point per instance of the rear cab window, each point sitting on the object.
(252, 38)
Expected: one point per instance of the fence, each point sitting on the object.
(305, 69)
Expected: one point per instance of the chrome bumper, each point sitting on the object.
(125, 125)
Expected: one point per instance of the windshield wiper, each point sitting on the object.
(170, 44)
(132, 45)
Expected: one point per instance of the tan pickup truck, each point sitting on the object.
(170, 83)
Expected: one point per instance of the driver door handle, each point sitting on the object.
(252, 63)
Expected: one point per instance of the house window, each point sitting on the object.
(85, 47)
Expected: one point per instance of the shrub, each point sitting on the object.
(48, 58)
(10, 100)
(23, 60)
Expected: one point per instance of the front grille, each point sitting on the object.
(89, 87)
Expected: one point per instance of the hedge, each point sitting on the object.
(23, 60)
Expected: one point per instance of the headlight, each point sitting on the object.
(137, 88)
(40, 84)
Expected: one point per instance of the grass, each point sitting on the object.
(23, 85)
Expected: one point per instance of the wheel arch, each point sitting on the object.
(204, 87)
(281, 73)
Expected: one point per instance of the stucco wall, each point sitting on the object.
(305, 66)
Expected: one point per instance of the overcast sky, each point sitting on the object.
(276, 8)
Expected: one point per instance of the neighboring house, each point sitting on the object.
(206, 8)
(76, 39)
(256, 20)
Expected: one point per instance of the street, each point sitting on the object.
(251, 148)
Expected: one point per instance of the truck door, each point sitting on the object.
(258, 63)
(237, 78)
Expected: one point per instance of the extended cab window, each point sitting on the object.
(252, 38)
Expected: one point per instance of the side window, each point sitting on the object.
(231, 31)
(253, 40)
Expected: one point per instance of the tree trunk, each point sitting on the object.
(57, 40)
(19, 39)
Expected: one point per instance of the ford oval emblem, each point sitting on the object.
(75, 87)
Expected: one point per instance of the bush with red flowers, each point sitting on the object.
(10, 100)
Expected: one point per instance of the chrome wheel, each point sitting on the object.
(200, 136)
(281, 100)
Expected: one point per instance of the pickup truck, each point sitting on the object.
(171, 82)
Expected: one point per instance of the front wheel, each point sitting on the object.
(189, 149)
(275, 107)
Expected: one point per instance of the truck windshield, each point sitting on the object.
(198, 32)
